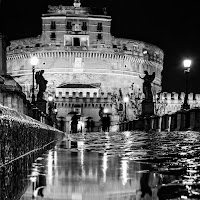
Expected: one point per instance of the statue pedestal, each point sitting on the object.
(147, 108)
(42, 105)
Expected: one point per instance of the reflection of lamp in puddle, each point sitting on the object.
(124, 171)
(55, 158)
(50, 167)
(104, 166)
(33, 179)
(107, 144)
(82, 163)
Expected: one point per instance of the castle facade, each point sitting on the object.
(76, 47)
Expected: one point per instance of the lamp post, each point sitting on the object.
(105, 111)
(126, 99)
(186, 64)
(34, 62)
(52, 111)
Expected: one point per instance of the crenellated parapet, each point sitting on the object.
(174, 101)
(87, 95)
(90, 100)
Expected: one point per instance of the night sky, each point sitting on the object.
(173, 26)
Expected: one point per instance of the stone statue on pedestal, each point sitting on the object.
(148, 79)
(147, 103)
(42, 83)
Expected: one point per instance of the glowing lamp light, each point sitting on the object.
(145, 52)
(105, 110)
(34, 61)
(126, 99)
(187, 63)
(55, 110)
(50, 98)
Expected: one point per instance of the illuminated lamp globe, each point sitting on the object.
(34, 61)
(187, 63)
(126, 99)
(50, 98)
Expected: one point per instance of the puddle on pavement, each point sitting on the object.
(128, 165)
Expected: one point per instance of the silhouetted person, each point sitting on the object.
(74, 124)
(144, 181)
(106, 123)
(92, 125)
(88, 125)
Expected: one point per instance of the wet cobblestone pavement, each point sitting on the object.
(111, 166)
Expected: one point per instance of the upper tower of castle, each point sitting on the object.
(76, 26)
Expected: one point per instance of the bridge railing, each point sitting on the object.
(20, 134)
(182, 120)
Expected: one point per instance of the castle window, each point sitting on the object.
(69, 26)
(53, 25)
(99, 36)
(76, 41)
(99, 27)
(124, 47)
(84, 26)
(53, 36)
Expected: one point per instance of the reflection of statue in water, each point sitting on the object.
(42, 84)
(148, 79)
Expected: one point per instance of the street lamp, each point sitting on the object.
(34, 62)
(105, 110)
(126, 99)
(52, 111)
(186, 64)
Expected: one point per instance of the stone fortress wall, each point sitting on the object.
(76, 46)
(171, 102)
(113, 68)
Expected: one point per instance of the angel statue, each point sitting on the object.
(42, 83)
(148, 79)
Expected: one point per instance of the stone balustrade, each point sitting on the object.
(181, 120)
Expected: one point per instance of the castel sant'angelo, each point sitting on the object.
(82, 62)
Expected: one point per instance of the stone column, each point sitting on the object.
(181, 120)
(173, 124)
(159, 124)
(67, 127)
(169, 123)
(195, 119)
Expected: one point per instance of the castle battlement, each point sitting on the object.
(89, 101)
(84, 95)
(172, 102)
(177, 96)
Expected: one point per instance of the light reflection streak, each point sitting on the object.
(105, 166)
(50, 167)
(107, 144)
(124, 171)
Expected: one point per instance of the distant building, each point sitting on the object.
(76, 47)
